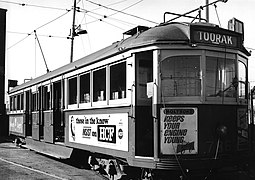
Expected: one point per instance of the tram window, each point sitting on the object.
(99, 85)
(11, 103)
(180, 76)
(220, 75)
(242, 79)
(72, 90)
(15, 103)
(34, 105)
(85, 88)
(46, 95)
(22, 101)
(118, 81)
(18, 102)
(144, 74)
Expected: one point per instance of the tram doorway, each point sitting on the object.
(28, 115)
(58, 120)
(143, 108)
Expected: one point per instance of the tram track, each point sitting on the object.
(22, 163)
(32, 169)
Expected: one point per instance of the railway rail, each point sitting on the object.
(20, 163)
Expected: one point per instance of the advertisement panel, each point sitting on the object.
(16, 124)
(102, 130)
(178, 131)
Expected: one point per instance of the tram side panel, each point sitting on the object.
(101, 131)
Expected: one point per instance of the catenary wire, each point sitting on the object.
(37, 29)
(122, 12)
(109, 16)
(33, 5)
(44, 35)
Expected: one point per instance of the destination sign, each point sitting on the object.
(216, 36)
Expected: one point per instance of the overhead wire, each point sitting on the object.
(109, 16)
(109, 5)
(37, 29)
(122, 12)
(33, 5)
(44, 35)
(84, 19)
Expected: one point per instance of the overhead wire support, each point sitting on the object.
(36, 37)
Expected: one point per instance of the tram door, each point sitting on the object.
(28, 113)
(37, 116)
(47, 114)
(58, 121)
(143, 108)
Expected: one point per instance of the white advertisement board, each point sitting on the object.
(178, 131)
(16, 124)
(101, 130)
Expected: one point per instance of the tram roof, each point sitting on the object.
(163, 33)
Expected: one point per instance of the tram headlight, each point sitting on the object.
(221, 131)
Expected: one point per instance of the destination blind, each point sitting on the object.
(219, 36)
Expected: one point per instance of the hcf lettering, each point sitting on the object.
(107, 133)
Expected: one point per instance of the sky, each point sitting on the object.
(105, 24)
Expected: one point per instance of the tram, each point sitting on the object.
(172, 98)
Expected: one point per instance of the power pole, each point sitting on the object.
(73, 31)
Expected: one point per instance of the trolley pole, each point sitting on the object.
(73, 31)
(207, 10)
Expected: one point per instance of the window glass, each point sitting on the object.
(46, 96)
(220, 77)
(34, 107)
(180, 76)
(99, 85)
(85, 88)
(73, 90)
(18, 102)
(22, 101)
(11, 103)
(242, 79)
(15, 103)
(118, 81)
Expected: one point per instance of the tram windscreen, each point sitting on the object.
(180, 76)
(220, 77)
(242, 68)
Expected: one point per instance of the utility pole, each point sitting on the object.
(73, 31)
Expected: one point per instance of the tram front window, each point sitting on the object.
(242, 79)
(180, 76)
(221, 80)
